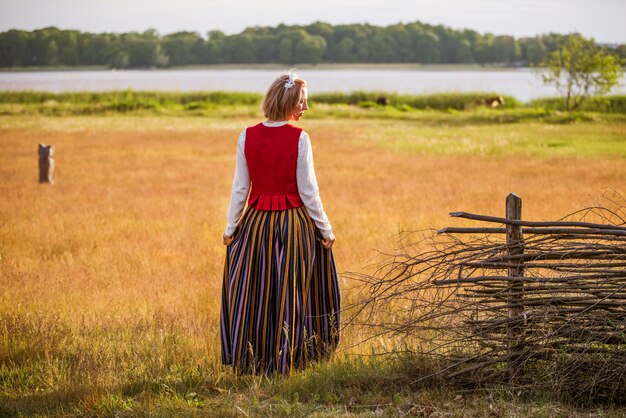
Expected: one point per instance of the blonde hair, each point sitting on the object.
(279, 100)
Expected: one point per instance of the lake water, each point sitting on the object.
(521, 83)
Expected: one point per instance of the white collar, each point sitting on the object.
(275, 123)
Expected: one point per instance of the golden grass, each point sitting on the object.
(112, 276)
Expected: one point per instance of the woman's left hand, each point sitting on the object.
(228, 240)
(328, 242)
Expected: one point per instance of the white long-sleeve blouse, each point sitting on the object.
(306, 180)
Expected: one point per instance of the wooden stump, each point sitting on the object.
(46, 163)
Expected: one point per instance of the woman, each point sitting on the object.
(280, 296)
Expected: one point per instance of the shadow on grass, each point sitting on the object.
(328, 386)
(105, 401)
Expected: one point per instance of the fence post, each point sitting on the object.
(46, 163)
(515, 245)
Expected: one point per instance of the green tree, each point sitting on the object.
(52, 51)
(506, 49)
(357, 50)
(144, 50)
(39, 45)
(309, 49)
(533, 50)
(267, 48)
(297, 46)
(463, 51)
(241, 49)
(321, 29)
(621, 51)
(344, 51)
(402, 42)
(68, 48)
(14, 50)
(381, 49)
(215, 47)
(92, 48)
(580, 69)
(182, 48)
(120, 60)
(116, 54)
(285, 51)
(427, 47)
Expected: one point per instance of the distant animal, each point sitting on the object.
(382, 100)
(490, 101)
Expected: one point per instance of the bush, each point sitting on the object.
(439, 101)
(601, 104)
(368, 104)
(132, 99)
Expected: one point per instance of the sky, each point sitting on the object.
(600, 19)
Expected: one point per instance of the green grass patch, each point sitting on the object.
(452, 117)
(535, 139)
(429, 133)
(436, 109)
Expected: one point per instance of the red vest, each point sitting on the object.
(272, 156)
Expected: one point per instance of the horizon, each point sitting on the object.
(601, 20)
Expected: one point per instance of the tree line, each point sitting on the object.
(311, 44)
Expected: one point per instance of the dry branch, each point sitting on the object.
(506, 221)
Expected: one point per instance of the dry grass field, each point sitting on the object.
(110, 278)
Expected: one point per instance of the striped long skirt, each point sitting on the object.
(280, 295)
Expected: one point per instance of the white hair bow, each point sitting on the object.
(291, 81)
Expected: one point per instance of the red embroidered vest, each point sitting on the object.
(272, 155)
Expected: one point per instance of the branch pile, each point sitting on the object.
(547, 312)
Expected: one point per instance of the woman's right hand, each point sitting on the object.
(228, 239)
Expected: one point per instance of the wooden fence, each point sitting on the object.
(539, 304)
(588, 266)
